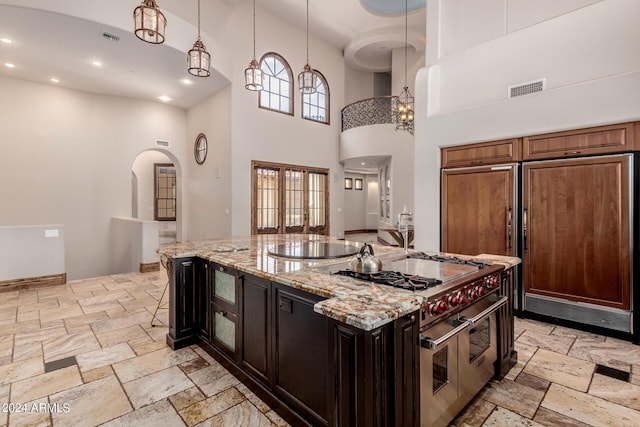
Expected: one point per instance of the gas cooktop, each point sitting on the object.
(394, 278)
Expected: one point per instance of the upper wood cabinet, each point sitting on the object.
(596, 140)
(485, 153)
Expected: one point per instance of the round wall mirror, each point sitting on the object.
(200, 148)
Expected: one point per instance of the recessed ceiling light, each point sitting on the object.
(186, 81)
(97, 63)
(53, 79)
(363, 163)
(9, 65)
(7, 41)
(164, 98)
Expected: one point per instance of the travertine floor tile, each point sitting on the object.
(126, 320)
(251, 397)
(39, 335)
(118, 336)
(209, 378)
(513, 396)
(149, 363)
(616, 391)
(194, 365)
(616, 354)
(97, 374)
(19, 327)
(160, 414)
(242, 415)
(186, 398)
(521, 325)
(561, 369)
(35, 414)
(69, 345)
(157, 386)
(550, 418)
(91, 404)
(525, 352)
(474, 414)
(210, 407)
(504, 418)
(106, 356)
(588, 409)
(635, 375)
(20, 370)
(276, 419)
(102, 302)
(79, 323)
(144, 346)
(555, 343)
(43, 385)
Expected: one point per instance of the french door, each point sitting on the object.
(289, 199)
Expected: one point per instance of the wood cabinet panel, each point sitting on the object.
(255, 326)
(486, 153)
(478, 210)
(181, 313)
(407, 372)
(597, 140)
(202, 300)
(576, 221)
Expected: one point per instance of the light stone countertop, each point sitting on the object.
(354, 302)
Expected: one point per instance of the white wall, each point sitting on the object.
(258, 134)
(143, 167)
(589, 57)
(209, 190)
(68, 161)
(133, 242)
(31, 251)
(359, 85)
(355, 204)
(372, 203)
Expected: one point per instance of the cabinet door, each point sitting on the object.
(224, 287)
(181, 313)
(301, 352)
(407, 371)
(576, 228)
(202, 299)
(225, 330)
(255, 326)
(486, 153)
(478, 210)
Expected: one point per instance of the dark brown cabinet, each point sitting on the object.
(202, 299)
(256, 331)
(181, 314)
(576, 221)
(301, 352)
(479, 210)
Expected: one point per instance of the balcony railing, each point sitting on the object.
(371, 111)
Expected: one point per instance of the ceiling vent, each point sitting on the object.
(110, 37)
(527, 88)
(162, 143)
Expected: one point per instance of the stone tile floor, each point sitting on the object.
(85, 354)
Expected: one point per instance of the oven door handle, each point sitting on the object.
(486, 312)
(434, 344)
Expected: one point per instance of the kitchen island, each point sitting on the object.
(322, 349)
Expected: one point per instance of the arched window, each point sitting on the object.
(315, 106)
(277, 90)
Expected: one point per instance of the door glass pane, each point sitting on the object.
(317, 197)
(440, 369)
(225, 286)
(267, 198)
(225, 330)
(294, 208)
(479, 339)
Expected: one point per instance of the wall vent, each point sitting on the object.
(527, 88)
(162, 143)
(110, 36)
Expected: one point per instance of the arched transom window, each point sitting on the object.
(277, 88)
(315, 106)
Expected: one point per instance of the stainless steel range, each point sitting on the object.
(459, 327)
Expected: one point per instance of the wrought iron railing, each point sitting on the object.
(371, 111)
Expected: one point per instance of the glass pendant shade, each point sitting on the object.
(307, 80)
(149, 22)
(199, 60)
(253, 76)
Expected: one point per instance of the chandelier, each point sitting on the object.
(149, 22)
(307, 79)
(198, 59)
(405, 100)
(253, 74)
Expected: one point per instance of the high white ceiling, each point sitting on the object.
(55, 45)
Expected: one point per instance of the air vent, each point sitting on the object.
(162, 143)
(110, 36)
(527, 88)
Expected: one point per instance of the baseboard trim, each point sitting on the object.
(33, 282)
(149, 267)
(361, 231)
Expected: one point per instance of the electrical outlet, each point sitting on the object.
(51, 233)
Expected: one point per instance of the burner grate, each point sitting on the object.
(395, 279)
(449, 259)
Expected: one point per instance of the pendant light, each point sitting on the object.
(149, 22)
(198, 59)
(253, 74)
(307, 79)
(405, 100)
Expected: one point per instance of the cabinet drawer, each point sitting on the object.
(597, 140)
(225, 330)
(485, 153)
(224, 287)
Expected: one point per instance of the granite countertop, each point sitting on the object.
(363, 305)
